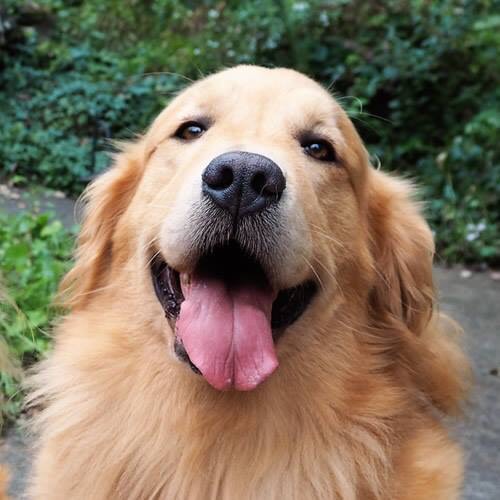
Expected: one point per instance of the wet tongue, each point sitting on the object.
(226, 330)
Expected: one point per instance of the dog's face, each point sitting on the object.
(249, 210)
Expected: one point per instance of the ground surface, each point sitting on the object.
(471, 298)
(16, 200)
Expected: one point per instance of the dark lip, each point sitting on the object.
(167, 285)
(288, 306)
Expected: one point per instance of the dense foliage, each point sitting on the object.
(35, 251)
(420, 79)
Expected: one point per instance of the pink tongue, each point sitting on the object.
(226, 331)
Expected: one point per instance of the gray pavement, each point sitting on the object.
(475, 303)
(473, 299)
(14, 200)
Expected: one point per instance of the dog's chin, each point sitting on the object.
(227, 316)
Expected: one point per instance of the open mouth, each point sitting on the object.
(226, 315)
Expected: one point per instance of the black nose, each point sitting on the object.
(243, 183)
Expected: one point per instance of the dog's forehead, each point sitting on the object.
(241, 78)
(252, 87)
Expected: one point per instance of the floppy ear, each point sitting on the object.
(403, 296)
(403, 249)
(106, 199)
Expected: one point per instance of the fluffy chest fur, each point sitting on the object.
(108, 419)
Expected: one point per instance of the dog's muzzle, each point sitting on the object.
(226, 310)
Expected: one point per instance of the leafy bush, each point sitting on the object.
(467, 181)
(35, 251)
(70, 101)
(420, 80)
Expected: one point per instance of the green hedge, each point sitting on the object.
(419, 78)
(35, 251)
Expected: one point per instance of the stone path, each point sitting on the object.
(16, 200)
(473, 299)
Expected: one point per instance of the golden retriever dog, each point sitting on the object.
(251, 315)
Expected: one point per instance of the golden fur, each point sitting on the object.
(4, 480)
(367, 374)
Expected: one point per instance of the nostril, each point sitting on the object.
(219, 178)
(225, 179)
(268, 184)
(259, 183)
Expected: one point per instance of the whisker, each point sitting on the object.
(331, 85)
(328, 271)
(364, 113)
(95, 290)
(148, 264)
(168, 73)
(354, 98)
(361, 111)
(146, 246)
(318, 231)
(315, 273)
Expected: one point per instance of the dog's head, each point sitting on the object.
(250, 217)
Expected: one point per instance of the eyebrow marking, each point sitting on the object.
(202, 118)
(318, 130)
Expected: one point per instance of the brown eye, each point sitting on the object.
(190, 130)
(320, 150)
